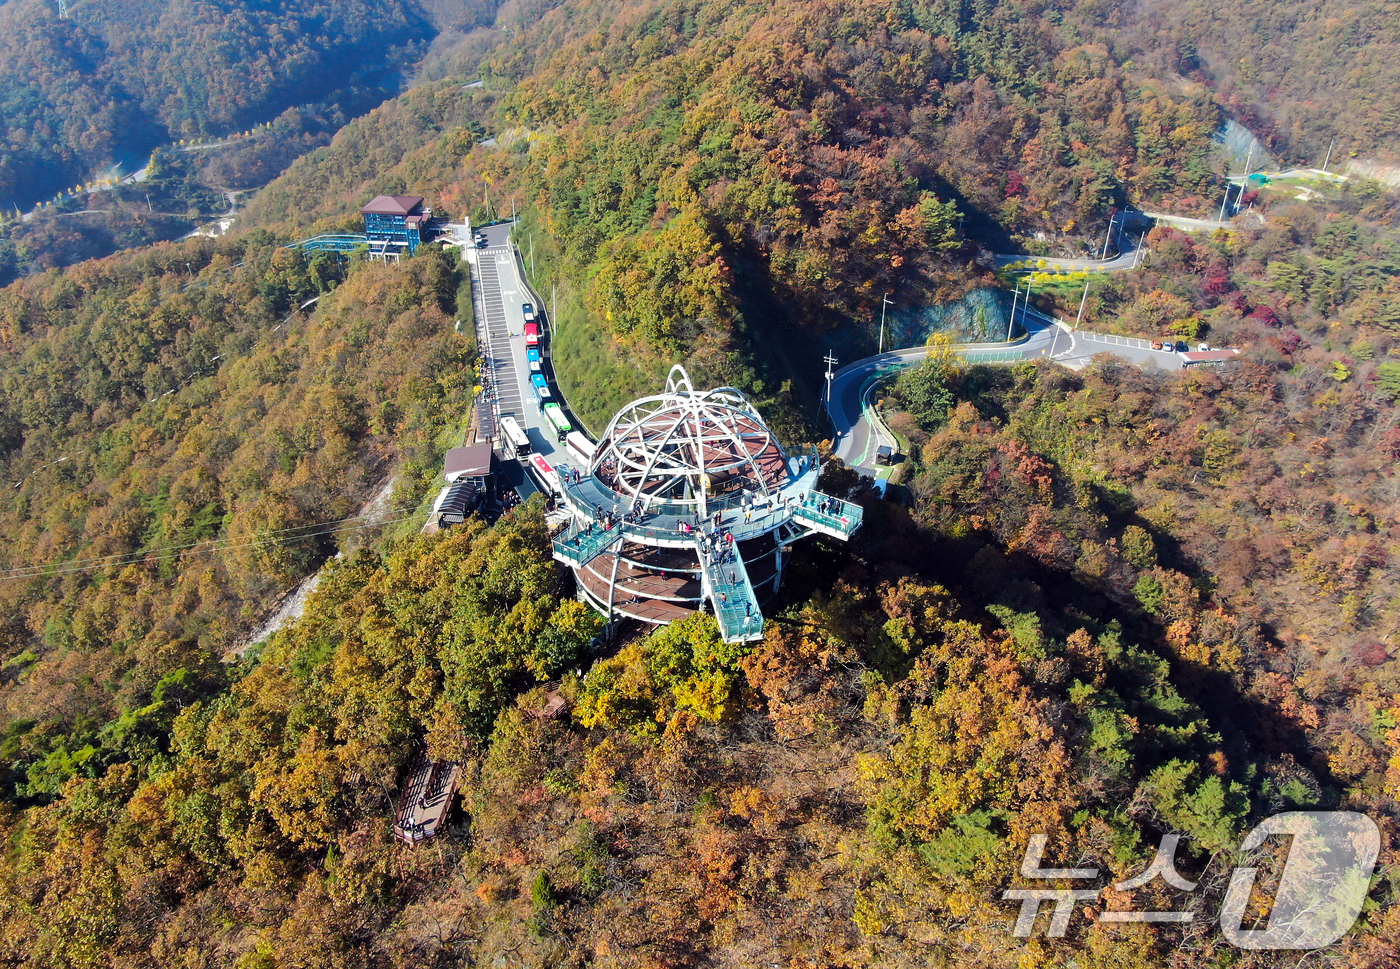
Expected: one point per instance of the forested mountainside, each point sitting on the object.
(701, 169)
(177, 400)
(1119, 603)
(115, 79)
(1299, 74)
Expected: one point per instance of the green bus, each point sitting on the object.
(555, 415)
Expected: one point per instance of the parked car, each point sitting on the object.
(1181, 346)
(529, 312)
(1203, 347)
(1156, 344)
(480, 241)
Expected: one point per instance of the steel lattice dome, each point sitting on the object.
(687, 447)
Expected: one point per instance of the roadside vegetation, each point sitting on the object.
(1117, 604)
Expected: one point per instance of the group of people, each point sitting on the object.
(509, 498)
(718, 546)
(607, 519)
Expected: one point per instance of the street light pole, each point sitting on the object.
(1082, 300)
(884, 301)
(1108, 235)
(830, 363)
(1011, 323)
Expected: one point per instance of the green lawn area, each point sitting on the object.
(596, 375)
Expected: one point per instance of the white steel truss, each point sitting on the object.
(678, 446)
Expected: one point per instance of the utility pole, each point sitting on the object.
(884, 301)
(62, 9)
(512, 210)
(532, 254)
(1012, 322)
(1082, 300)
(1329, 154)
(1226, 200)
(830, 364)
(553, 305)
(1108, 235)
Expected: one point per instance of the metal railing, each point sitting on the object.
(992, 356)
(580, 544)
(332, 242)
(800, 464)
(667, 522)
(829, 515)
(731, 593)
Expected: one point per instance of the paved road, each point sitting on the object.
(501, 295)
(1190, 225)
(858, 436)
(1292, 173)
(1127, 259)
(501, 322)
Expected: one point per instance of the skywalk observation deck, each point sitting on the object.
(688, 484)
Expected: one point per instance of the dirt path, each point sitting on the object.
(293, 604)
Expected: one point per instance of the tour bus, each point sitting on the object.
(545, 476)
(581, 448)
(532, 334)
(555, 415)
(518, 438)
(532, 354)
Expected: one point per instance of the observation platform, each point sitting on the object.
(727, 583)
(689, 501)
(426, 799)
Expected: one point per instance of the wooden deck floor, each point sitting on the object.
(643, 608)
(426, 799)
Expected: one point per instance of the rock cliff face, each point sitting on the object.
(1387, 175)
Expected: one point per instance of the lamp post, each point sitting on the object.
(1082, 300)
(1108, 235)
(884, 301)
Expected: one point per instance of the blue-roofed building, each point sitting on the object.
(396, 223)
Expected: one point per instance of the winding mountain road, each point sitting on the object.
(858, 433)
(1127, 259)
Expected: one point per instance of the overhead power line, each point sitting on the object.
(280, 536)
